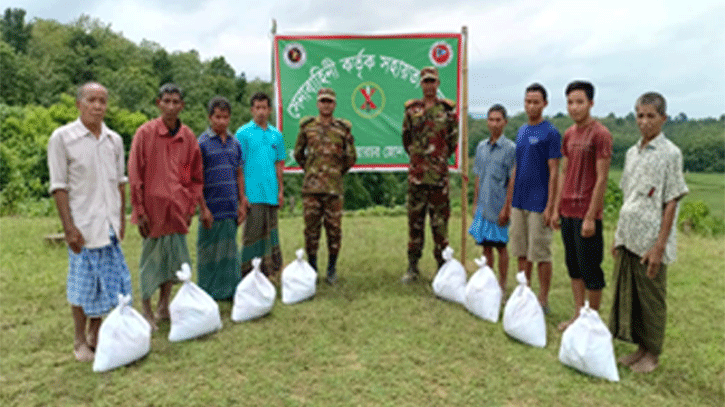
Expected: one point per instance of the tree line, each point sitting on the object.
(43, 61)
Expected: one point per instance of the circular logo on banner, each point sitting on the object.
(295, 55)
(440, 54)
(368, 100)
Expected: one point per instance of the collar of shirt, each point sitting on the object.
(497, 143)
(78, 130)
(163, 131)
(654, 143)
(211, 133)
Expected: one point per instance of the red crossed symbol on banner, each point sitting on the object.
(368, 101)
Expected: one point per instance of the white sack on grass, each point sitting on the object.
(193, 311)
(586, 345)
(523, 318)
(483, 294)
(254, 296)
(298, 280)
(124, 336)
(450, 281)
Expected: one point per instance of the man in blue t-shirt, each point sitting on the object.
(263, 157)
(538, 149)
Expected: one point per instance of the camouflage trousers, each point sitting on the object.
(433, 200)
(319, 208)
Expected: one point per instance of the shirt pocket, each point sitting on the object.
(109, 162)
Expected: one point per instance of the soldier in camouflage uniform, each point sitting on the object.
(325, 149)
(430, 136)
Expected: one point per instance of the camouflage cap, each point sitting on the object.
(429, 72)
(326, 93)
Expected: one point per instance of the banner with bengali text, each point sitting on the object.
(373, 76)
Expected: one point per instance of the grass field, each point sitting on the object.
(706, 187)
(367, 342)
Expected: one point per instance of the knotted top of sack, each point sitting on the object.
(521, 278)
(481, 261)
(185, 273)
(447, 253)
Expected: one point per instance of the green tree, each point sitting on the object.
(14, 30)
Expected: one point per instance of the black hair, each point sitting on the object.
(219, 102)
(498, 108)
(169, 88)
(260, 96)
(587, 87)
(537, 87)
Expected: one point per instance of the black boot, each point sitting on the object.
(332, 270)
(412, 273)
(312, 259)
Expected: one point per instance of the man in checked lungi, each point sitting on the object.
(261, 186)
(325, 149)
(220, 209)
(87, 180)
(166, 177)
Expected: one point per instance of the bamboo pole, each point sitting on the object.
(464, 145)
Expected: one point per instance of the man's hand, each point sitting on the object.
(555, 221)
(122, 229)
(653, 260)
(588, 228)
(280, 199)
(242, 210)
(504, 216)
(206, 218)
(547, 215)
(614, 251)
(74, 238)
(144, 226)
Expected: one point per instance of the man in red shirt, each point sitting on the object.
(166, 176)
(587, 153)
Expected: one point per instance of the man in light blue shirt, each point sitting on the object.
(494, 162)
(263, 157)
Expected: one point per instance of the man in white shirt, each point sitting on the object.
(87, 181)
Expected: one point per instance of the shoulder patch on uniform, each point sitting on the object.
(306, 120)
(451, 104)
(345, 123)
(412, 102)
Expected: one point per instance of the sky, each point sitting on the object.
(624, 47)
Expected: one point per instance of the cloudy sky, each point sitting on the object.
(625, 47)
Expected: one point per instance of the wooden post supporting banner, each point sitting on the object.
(464, 145)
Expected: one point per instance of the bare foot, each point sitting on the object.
(162, 315)
(632, 358)
(647, 363)
(92, 342)
(152, 321)
(83, 352)
(565, 324)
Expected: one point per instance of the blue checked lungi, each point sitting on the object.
(96, 277)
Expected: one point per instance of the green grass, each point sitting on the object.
(368, 341)
(706, 187)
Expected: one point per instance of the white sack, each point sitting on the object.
(523, 318)
(298, 280)
(193, 311)
(586, 345)
(124, 336)
(254, 296)
(450, 281)
(483, 294)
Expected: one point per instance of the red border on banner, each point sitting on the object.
(370, 167)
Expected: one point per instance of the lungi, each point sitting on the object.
(639, 310)
(217, 259)
(161, 258)
(96, 277)
(261, 239)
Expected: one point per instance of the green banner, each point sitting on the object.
(373, 76)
